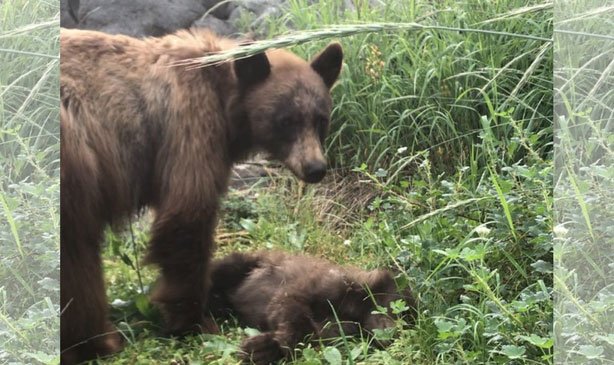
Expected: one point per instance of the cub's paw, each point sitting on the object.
(262, 349)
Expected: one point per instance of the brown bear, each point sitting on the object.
(139, 131)
(291, 296)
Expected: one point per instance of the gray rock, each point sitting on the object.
(158, 17)
(68, 13)
(220, 27)
(259, 7)
(267, 13)
(236, 14)
(140, 17)
(221, 11)
(256, 12)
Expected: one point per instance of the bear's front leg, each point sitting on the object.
(182, 247)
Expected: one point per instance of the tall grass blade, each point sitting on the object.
(339, 31)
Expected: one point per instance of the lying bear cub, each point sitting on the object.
(288, 297)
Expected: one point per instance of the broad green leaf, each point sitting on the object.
(513, 352)
(590, 351)
(332, 355)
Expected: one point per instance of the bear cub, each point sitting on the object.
(289, 296)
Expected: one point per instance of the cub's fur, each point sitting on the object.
(290, 296)
(138, 131)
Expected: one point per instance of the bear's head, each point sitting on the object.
(286, 101)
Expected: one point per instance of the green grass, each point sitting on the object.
(441, 147)
(29, 182)
(584, 182)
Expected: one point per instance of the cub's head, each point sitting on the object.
(288, 105)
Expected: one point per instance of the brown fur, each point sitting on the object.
(290, 296)
(139, 132)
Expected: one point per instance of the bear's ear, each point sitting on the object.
(380, 281)
(252, 70)
(328, 63)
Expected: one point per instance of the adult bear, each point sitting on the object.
(138, 131)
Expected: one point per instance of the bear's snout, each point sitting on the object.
(314, 171)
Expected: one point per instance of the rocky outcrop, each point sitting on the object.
(136, 17)
(141, 18)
